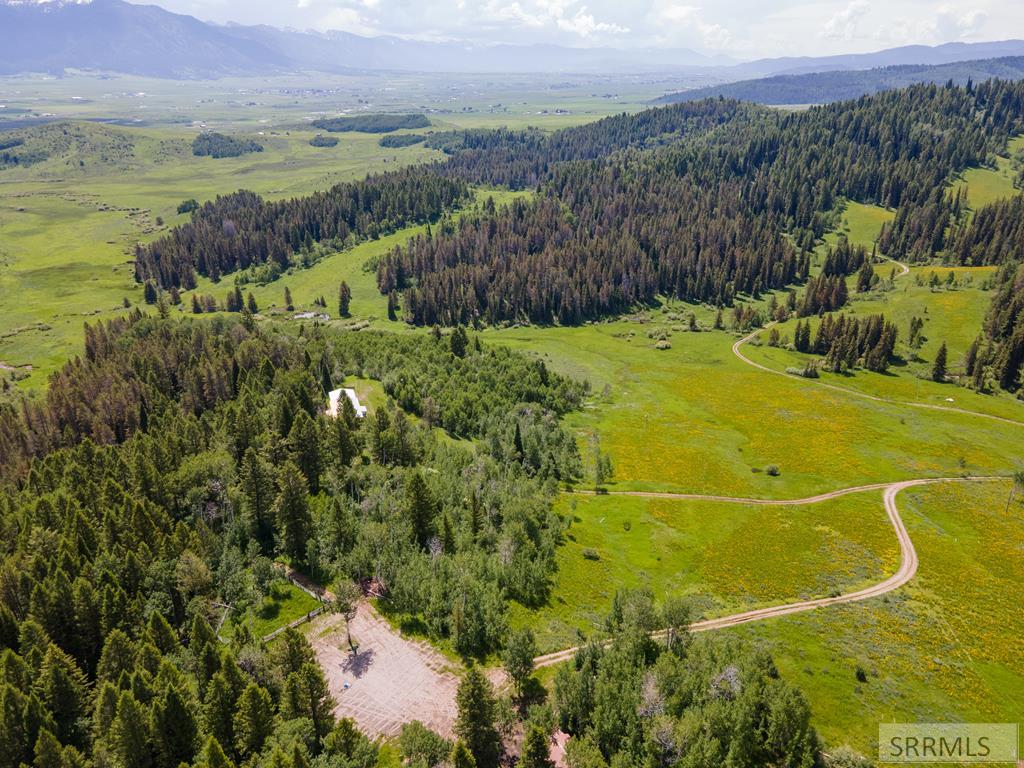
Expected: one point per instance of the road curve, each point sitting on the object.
(906, 571)
(856, 393)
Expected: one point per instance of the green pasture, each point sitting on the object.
(986, 185)
(723, 557)
(952, 315)
(946, 647)
(696, 419)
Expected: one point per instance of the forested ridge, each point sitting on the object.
(169, 465)
(701, 218)
(704, 201)
(242, 229)
(691, 200)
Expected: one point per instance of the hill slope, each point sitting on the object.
(117, 36)
(842, 85)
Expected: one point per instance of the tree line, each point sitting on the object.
(242, 229)
(218, 145)
(699, 218)
(379, 123)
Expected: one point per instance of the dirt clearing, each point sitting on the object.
(390, 681)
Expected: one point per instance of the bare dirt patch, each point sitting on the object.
(390, 681)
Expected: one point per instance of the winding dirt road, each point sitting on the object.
(906, 571)
(857, 393)
(908, 555)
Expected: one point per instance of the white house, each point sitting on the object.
(335, 401)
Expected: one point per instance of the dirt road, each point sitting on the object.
(906, 571)
(856, 393)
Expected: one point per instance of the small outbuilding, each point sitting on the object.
(334, 398)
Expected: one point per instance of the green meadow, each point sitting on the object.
(696, 419)
(723, 557)
(944, 648)
(284, 604)
(67, 232)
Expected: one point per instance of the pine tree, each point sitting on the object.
(256, 480)
(306, 695)
(461, 757)
(420, 509)
(213, 755)
(118, 656)
(64, 689)
(104, 710)
(254, 720)
(304, 443)
(459, 341)
(291, 510)
(342, 443)
(250, 303)
(160, 633)
(344, 299)
(219, 709)
(939, 366)
(380, 436)
(175, 731)
(475, 722)
(48, 751)
(130, 735)
(536, 751)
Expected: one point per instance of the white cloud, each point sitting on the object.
(558, 14)
(345, 20)
(584, 25)
(843, 25)
(952, 24)
(679, 21)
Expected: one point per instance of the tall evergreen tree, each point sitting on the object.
(130, 735)
(291, 510)
(175, 730)
(254, 720)
(304, 443)
(344, 299)
(939, 366)
(420, 509)
(475, 722)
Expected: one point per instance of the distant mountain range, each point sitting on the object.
(115, 36)
(840, 85)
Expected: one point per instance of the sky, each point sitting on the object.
(743, 29)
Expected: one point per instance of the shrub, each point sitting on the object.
(591, 554)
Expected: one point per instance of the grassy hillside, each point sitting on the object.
(724, 557)
(67, 231)
(944, 648)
